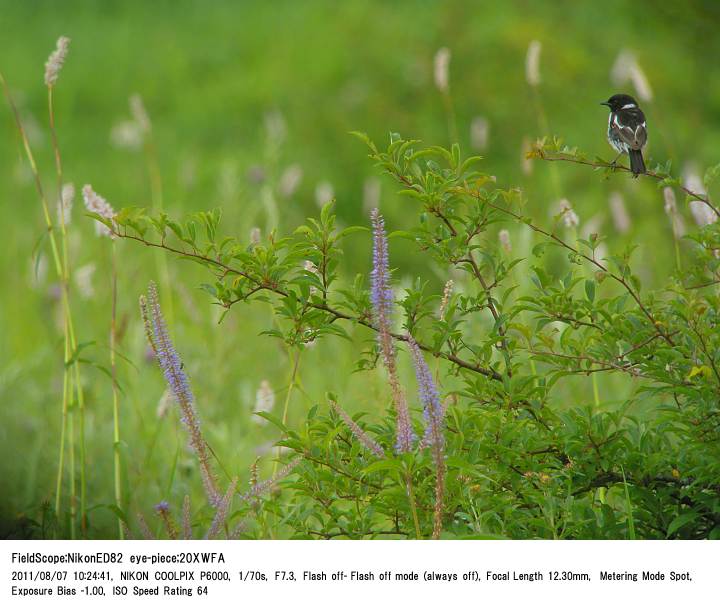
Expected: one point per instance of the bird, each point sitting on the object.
(627, 130)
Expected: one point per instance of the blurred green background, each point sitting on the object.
(251, 104)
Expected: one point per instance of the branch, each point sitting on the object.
(541, 154)
(621, 280)
(336, 313)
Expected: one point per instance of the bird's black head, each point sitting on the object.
(619, 101)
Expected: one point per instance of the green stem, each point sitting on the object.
(450, 115)
(156, 197)
(291, 386)
(73, 497)
(64, 270)
(413, 508)
(545, 128)
(61, 269)
(676, 242)
(116, 413)
(67, 382)
(595, 388)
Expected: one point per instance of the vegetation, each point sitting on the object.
(502, 367)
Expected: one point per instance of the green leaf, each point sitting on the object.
(680, 521)
(273, 419)
(394, 465)
(590, 289)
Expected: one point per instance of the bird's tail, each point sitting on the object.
(637, 165)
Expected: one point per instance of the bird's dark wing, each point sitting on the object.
(629, 126)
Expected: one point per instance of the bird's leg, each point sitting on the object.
(615, 160)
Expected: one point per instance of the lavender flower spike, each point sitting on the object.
(434, 412)
(381, 296)
(163, 510)
(179, 385)
(429, 397)
(359, 433)
(186, 519)
(222, 510)
(263, 487)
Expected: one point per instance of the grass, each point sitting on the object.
(209, 76)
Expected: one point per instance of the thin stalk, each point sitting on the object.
(156, 198)
(73, 496)
(291, 386)
(676, 242)
(545, 128)
(64, 274)
(439, 490)
(595, 388)
(64, 279)
(116, 413)
(67, 389)
(450, 115)
(413, 508)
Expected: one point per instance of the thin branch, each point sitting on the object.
(621, 280)
(604, 165)
(337, 314)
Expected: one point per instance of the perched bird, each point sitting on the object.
(627, 131)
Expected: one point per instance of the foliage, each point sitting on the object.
(520, 463)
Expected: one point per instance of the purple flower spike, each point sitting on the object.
(434, 437)
(433, 410)
(381, 296)
(177, 380)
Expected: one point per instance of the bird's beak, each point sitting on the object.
(605, 104)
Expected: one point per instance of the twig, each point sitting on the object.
(603, 165)
(337, 314)
(621, 280)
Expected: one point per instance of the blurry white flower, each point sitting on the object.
(126, 135)
(84, 280)
(442, 69)
(701, 212)
(324, 193)
(532, 63)
(479, 133)
(619, 212)
(56, 60)
(264, 400)
(98, 205)
(371, 194)
(504, 238)
(447, 293)
(65, 204)
(627, 69)
(670, 201)
(568, 215)
(139, 113)
(290, 180)
(164, 404)
(255, 235)
(678, 226)
(275, 127)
